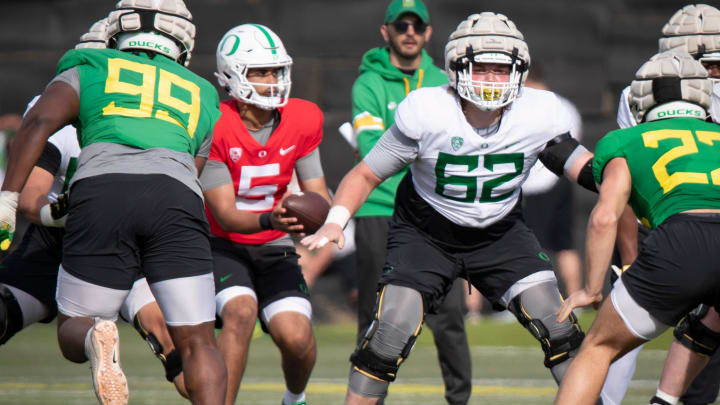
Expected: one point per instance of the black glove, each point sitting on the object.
(60, 208)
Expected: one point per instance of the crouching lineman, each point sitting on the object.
(470, 146)
(136, 205)
(260, 138)
(666, 169)
(28, 276)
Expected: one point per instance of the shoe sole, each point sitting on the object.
(109, 380)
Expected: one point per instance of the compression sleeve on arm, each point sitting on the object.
(561, 153)
(215, 174)
(204, 149)
(585, 177)
(71, 77)
(50, 159)
(391, 153)
(309, 166)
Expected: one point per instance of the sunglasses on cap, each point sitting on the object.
(402, 26)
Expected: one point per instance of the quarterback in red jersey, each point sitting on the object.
(260, 139)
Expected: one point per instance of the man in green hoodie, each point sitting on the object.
(387, 75)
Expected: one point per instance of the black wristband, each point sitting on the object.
(265, 222)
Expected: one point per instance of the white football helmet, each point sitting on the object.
(253, 46)
(160, 26)
(96, 37)
(694, 29)
(486, 38)
(671, 84)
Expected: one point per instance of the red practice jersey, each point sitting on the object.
(261, 174)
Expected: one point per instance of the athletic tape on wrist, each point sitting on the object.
(47, 219)
(338, 215)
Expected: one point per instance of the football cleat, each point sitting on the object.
(109, 381)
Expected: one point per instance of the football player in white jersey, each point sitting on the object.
(694, 29)
(470, 146)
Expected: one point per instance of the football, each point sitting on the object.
(309, 208)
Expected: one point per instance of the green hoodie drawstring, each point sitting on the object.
(421, 73)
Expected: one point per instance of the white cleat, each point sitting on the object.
(109, 381)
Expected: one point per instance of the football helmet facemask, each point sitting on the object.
(486, 38)
(250, 46)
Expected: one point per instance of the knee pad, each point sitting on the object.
(691, 333)
(536, 309)
(11, 318)
(171, 362)
(398, 319)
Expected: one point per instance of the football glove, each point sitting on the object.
(55, 214)
(8, 207)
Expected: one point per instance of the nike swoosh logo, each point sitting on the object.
(284, 152)
(223, 278)
(512, 144)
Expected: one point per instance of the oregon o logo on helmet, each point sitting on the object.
(150, 44)
(235, 45)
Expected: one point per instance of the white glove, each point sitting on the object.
(8, 207)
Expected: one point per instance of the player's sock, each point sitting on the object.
(293, 399)
(663, 398)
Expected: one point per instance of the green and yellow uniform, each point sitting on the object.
(674, 164)
(141, 101)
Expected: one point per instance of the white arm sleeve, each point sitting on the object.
(309, 166)
(391, 153)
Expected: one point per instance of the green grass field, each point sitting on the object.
(507, 369)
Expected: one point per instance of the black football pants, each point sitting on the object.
(447, 325)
